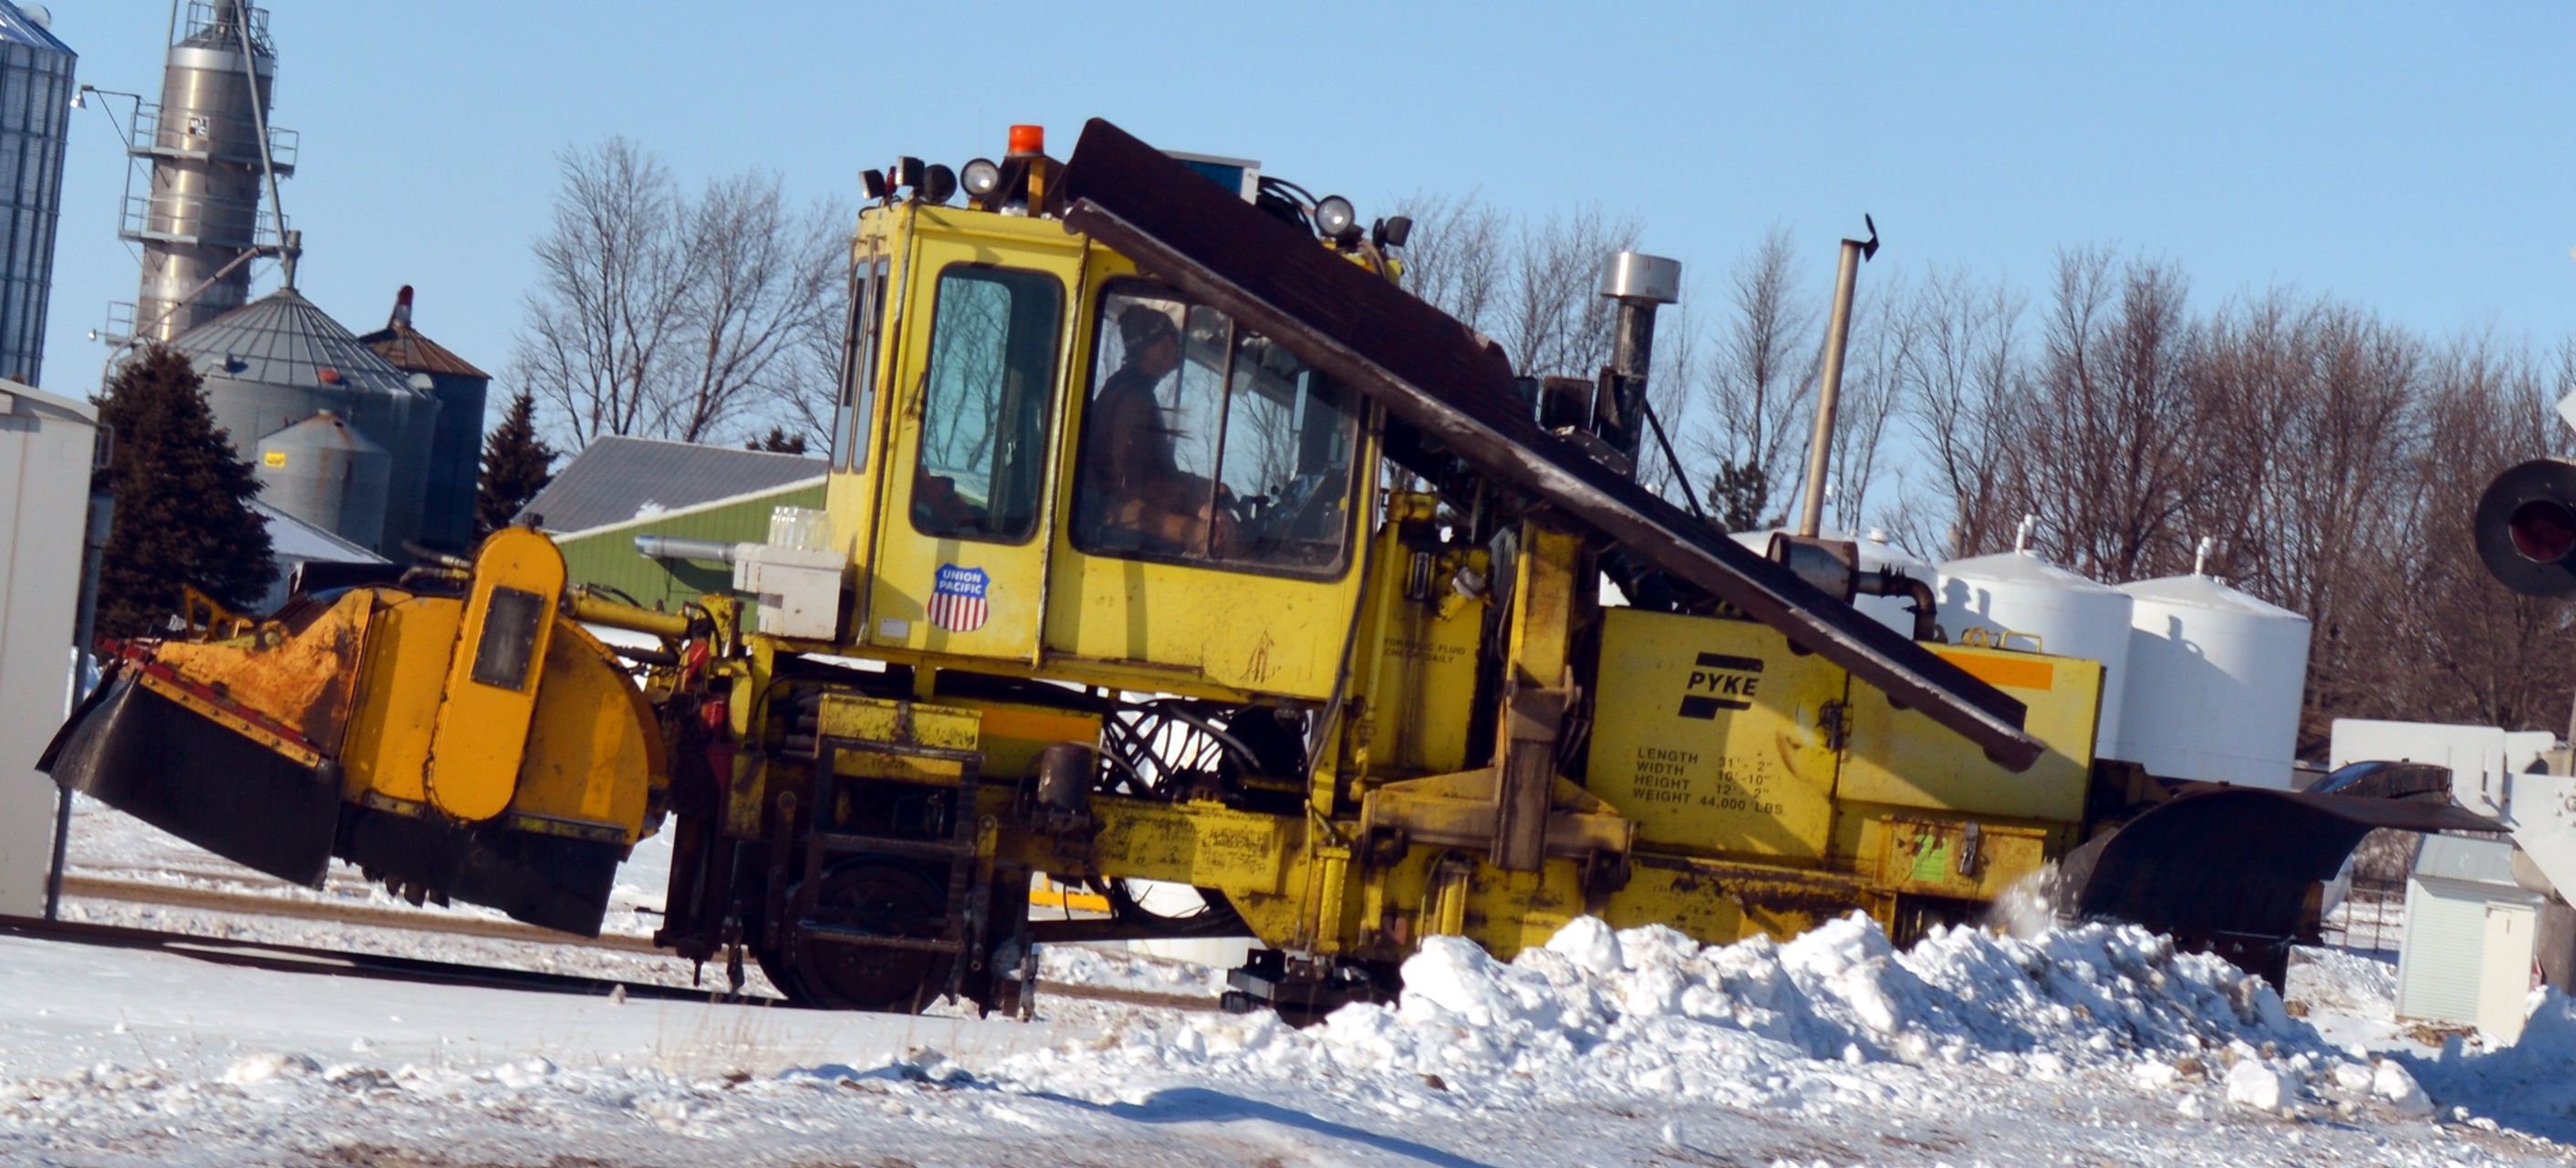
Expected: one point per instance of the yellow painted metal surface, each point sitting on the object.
(594, 749)
(866, 719)
(1955, 859)
(905, 574)
(303, 679)
(1901, 758)
(1190, 626)
(490, 698)
(401, 676)
(1716, 738)
(1014, 734)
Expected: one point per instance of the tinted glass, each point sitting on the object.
(1206, 442)
(984, 404)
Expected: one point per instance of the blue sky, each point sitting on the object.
(2412, 159)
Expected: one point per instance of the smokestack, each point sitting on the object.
(402, 309)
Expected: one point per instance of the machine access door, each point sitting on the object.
(960, 563)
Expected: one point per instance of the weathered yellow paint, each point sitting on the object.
(866, 719)
(594, 749)
(1901, 758)
(1715, 737)
(1924, 857)
(401, 676)
(906, 563)
(482, 730)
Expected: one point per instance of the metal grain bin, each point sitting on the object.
(326, 473)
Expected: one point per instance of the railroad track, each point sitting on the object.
(304, 959)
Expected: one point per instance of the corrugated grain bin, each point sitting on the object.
(325, 473)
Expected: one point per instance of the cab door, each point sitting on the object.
(961, 535)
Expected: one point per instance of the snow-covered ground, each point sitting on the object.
(2091, 1045)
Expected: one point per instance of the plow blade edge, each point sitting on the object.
(143, 754)
(2227, 870)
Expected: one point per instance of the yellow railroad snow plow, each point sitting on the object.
(1167, 539)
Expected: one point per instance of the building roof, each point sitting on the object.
(282, 339)
(411, 352)
(618, 478)
(293, 540)
(16, 28)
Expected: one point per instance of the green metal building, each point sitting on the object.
(620, 488)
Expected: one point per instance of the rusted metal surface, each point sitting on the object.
(1434, 374)
(304, 679)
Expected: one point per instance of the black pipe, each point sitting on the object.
(1894, 582)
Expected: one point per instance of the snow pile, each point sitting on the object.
(2526, 1085)
(1649, 1012)
(1120, 969)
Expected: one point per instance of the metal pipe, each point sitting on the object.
(1641, 284)
(1811, 518)
(289, 246)
(594, 610)
(672, 547)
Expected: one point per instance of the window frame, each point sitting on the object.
(1137, 285)
(1045, 388)
(862, 346)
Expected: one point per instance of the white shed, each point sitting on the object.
(46, 447)
(2471, 935)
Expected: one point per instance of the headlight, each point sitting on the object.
(979, 178)
(1334, 217)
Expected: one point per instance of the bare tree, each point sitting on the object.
(805, 398)
(765, 275)
(1757, 385)
(1962, 374)
(2107, 460)
(674, 317)
(1456, 257)
(613, 284)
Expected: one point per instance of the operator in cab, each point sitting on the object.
(1134, 493)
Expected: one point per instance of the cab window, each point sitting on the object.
(984, 404)
(854, 405)
(1206, 442)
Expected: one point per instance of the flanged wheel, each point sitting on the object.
(880, 898)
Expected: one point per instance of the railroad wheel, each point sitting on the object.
(879, 898)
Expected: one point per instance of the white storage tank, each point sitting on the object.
(1876, 551)
(2215, 682)
(2014, 595)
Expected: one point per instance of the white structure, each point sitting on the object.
(2215, 679)
(2480, 757)
(2025, 602)
(1876, 551)
(2471, 935)
(46, 445)
(292, 542)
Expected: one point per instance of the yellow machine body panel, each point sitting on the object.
(491, 696)
(593, 754)
(964, 501)
(1201, 629)
(1715, 737)
(1901, 758)
(403, 675)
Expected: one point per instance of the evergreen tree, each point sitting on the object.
(516, 465)
(183, 514)
(779, 441)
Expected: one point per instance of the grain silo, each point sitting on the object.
(456, 450)
(35, 107)
(209, 145)
(278, 361)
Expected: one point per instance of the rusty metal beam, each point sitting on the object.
(1438, 376)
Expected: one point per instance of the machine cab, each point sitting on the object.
(1046, 458)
